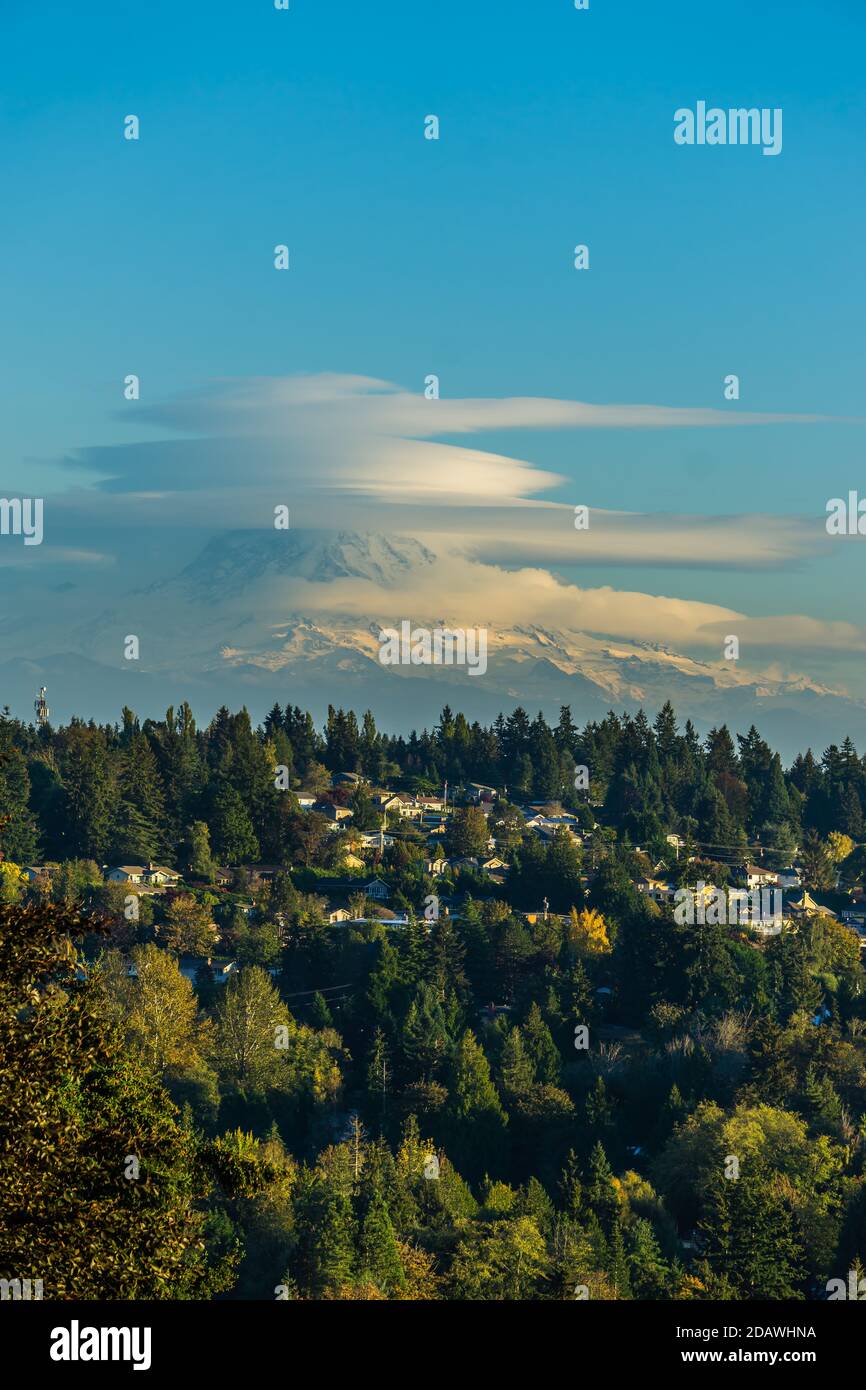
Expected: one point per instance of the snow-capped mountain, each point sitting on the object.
(230, 563)
(295, 616)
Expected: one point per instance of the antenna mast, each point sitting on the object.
(40, 704)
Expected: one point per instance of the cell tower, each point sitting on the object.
(40, 704)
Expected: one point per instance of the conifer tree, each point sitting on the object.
(379, 1257)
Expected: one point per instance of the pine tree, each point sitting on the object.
(518, 1070)
(233, 836)
(89, 793)
(618, 1267)
(379, 1074)
(334, 1242)
(134, 839)
(601, 1195)
(200, 863)
(426, 1039)
(379, 1258)
(18, 830)
(599, 1107)
(570, 1186)
(477, 1119)
(320, 1014)
(540, 1048)
(141, 787)
(749, 1235)
(649, 1273)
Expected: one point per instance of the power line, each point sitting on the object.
(318, 989)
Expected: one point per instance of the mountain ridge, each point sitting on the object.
(232, 623)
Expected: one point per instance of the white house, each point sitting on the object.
(757, 877)
(222, 970)
(159, 874)
(127, 873)
(375, 839)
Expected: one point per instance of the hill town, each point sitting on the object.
(515, 1011)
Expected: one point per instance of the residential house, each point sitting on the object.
(855, 918)
(126, 873)
(549, 829)
(38, 873)
(337, 912)
(257, 874)
(494, 865)
(658, 889)
(806, 906)
(756, 876)
(221, 969)
(477, 791)
(377, 890)
(157, 875)
(375, 839)
(385, 915)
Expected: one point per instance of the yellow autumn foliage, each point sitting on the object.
(587, 931)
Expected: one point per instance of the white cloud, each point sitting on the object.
(357, 453)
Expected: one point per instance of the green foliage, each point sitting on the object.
(484, 1156)
(80, 1111)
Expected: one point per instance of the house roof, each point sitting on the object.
(806, 903)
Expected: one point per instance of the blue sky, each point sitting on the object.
(454, 257)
